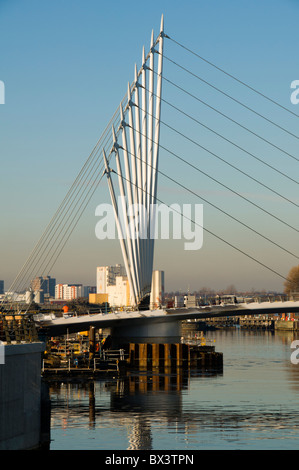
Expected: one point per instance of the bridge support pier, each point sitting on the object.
(150, 331)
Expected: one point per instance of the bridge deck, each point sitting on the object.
(58, 326)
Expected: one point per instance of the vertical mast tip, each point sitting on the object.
(113, 133)
(162, 24)
(121, 112)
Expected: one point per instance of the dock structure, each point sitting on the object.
(110, 363)
(177, 355)
(260, 322)
(141, 356)
(17, 328)
(194, 354)
(287, 325)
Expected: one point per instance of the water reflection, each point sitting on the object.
(138, 398)
(253, 403)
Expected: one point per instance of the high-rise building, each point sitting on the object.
(68, 291)
(1, 287)
(106, 276)
(46, 283)
(89, 290)
(112, 280)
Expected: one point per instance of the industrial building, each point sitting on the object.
(113, 287)
(106, 277)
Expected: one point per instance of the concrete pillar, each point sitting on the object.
(20, 397)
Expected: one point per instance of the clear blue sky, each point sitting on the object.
(66, 65)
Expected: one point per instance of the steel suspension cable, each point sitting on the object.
(214, 179)
(54, 221)
(64, 228)
(217, 181)
(234, 99)
(240, 125)
(40, 249)
(59, 213)
(208, 231)
(232, 143)
(200, 123)
(216, 207)
(233, 77)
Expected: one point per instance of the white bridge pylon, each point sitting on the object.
(136, 151)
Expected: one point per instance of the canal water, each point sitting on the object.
(252, 404)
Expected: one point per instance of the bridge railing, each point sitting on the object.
(256, 298)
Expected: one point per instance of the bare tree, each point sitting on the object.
(231, 289)
(292, 282)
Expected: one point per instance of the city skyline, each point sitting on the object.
(72, 81)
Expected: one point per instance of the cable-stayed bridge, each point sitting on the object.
(157, 323)
(127, 155)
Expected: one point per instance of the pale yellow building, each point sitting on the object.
(113, 287)
(98, 298)
(113, 283)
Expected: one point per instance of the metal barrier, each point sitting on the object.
(111, 354)
(107, 360)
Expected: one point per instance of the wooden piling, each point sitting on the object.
(155, 355)
(143, 355)
(169, 356)
(91, 342)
